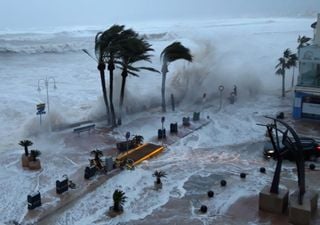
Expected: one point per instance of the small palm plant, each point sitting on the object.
(34, 154)
(34, 163)
(119, 199)
(97, 157)
(138, 140)
(159, 174)
(26, 144)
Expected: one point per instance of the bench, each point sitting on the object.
(84, 128)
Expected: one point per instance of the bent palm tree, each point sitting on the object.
(107, 48)
(284, 63)
(26, 144)
(303, 41)
(159, 174)
(119, 199)
(132, 50)
(172, 53)
(293, 63)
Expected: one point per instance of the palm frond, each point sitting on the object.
(174, 52)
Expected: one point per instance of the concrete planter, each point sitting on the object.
(111, 213)
(35, 165)
(157, 186)
(24, 160)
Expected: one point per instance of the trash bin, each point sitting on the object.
(174, 128)
(161, 133)
(62, 186)
(34, 200)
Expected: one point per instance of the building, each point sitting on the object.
(307, 90)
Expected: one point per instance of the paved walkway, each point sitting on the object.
(52, 202)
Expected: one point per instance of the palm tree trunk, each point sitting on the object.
(283, 85)
(163, 87)
(26, 152)
(111, 68)
(101, 68)
(123, 84)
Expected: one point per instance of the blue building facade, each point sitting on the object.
(307, 91)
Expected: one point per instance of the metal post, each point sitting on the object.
(221, 88)
(46, 84)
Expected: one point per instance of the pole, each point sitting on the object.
(46, 84)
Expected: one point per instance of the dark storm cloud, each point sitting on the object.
(35, 13)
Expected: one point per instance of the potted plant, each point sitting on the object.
(25, 156)
(97, 162)
(34, 163)
(158, 174)
(119, 199)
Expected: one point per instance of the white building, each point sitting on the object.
(307, 91)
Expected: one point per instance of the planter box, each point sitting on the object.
(35, 165)
(24, 160)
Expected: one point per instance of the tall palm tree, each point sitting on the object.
(284, 63)
(107, 48)
(293, 63)
(26, 144)
(132, 50)
(172, 53)
(119, 199)
(159, 174)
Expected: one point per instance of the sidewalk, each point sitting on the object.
(52, 202)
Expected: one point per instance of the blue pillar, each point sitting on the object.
(297, 104)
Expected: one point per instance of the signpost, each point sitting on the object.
(221, 88)
(40, 110)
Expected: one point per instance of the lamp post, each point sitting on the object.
(46, 82)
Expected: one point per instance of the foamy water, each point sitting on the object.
(226, 52)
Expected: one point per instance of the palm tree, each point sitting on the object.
(34, 154)
(107, 49)
(119, 199)
(132, 50)
(97, 157)
(172, 53)
(26, 144)
(303, 41)
(293, 63)
(285, 62)
(159, 174)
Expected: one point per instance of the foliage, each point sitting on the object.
(174, 52)
(119, 199)
(159, 174)
(34, 154)
(26, 144)
(171, 53)
(303, 41)
(287, 61)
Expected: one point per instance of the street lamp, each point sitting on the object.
(46, 84)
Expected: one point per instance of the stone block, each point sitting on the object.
(302, 214)
(35, 165)
(274, 203)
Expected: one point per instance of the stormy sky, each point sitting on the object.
(42, 13)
